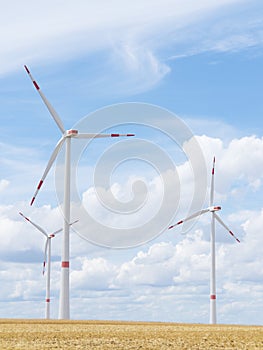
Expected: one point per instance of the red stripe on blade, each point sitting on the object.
(179, 222)
(48, 300)
(36, 86)
(115, 135)
(40, 184)
(65, 264)
(130, 134)
(32, 201)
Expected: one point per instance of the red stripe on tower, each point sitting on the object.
(65, 264)
(48, 300)
(212, 297)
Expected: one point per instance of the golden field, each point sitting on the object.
(53, 334)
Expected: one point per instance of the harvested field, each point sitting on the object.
(40, 334)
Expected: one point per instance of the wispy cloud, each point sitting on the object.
(137, 38)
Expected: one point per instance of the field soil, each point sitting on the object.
(40, 334)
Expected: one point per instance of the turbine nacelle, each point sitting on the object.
(71, 133)
(214, 208)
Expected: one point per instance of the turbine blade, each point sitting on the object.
(198, 213)
(212, 183)
(50, 162)
(61, 229)
(224, 225)
(45, 255)
(48, 105)
(54, 233)
(73, 222)
(91, 136)
(32, 223)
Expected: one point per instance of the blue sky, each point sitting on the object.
(200, 61)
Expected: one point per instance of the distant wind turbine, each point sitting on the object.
(67, 135)
(212, 209)
(47, 258)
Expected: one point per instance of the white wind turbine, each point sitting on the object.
(67, 135)
(47, 258)
(212, 209)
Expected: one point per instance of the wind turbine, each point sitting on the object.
(47, 258)
(212, 209)
(67, 135)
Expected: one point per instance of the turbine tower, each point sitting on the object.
(47, 258)
(67, 135)
(212, 209)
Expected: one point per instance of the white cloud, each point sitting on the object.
(160, 275)
(237, 176)
(172, 274)
(137, 67)
(237, 163)
(128, 212)
(129, 36)
(151, 268)
(94, 274)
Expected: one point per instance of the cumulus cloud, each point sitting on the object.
(237, 162)
(172, 269)
(93, 274)
(237, 176)
(170, 272)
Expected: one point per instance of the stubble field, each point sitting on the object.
(38, 334)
